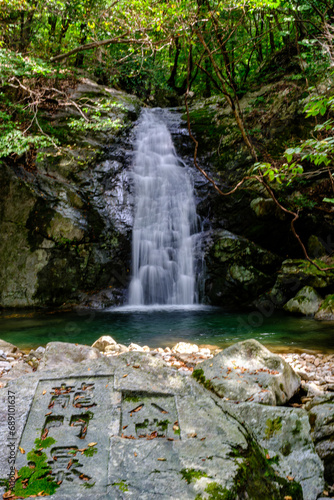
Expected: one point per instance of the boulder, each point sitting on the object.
(62, 353)
(285, 434)
(326, 311)
(247, 371)
(103, 342)
(7, 347)
(295, 274)
(307, 302)
(238, 270)
(185, 348)
(149, 433)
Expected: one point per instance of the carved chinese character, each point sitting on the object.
(66, 466)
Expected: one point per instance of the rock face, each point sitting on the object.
(247, 371)
(238, 270)
(321, 417)
(326, 311)
(66, 224)
(307, 302)
(296, 274)
(285, 434)
(129, 427)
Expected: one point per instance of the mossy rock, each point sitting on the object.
(306, 302)
(326, 311)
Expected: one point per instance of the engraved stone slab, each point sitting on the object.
(73, 413)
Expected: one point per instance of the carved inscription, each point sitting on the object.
(149, 416)
(74, 414)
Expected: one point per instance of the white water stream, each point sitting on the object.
(165, 221)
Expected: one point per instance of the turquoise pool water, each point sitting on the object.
(159, 327)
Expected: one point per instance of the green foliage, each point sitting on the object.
(191, 475)
(122, 486)
(35, 477)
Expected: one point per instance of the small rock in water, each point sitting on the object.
(103, 342)
(185, 348)
(135, 347)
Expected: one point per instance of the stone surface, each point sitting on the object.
(247, 371)
(68, 223)
(322, 424)
(307, 302)
(185, 348)
(150, 432)
(7, 347)
(326, 311)
(285, 434)
(238, 269)
(296, 274)
(103, 342)
(63, 353)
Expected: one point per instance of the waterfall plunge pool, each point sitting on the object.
(165, 326)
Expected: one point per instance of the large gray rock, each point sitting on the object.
(285, 434)
(307, 302)
(247, 371)
(322, 424)
(130, 427)
(62, 353)
(7, 347)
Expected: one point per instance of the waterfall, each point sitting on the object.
(165, 220)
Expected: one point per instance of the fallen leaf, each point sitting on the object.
(44, 392)
(192, 435)
(267, 456)
(287, 498)
(202, 439)
(47, 414)
(135, 366)
(92, 444)
(8, 494)
(46, 432)
(125, 375)
(107, 385)
(291, 478)
(325, 493)
(22, 450)
(162, 459)
(124, 427)
(211, 364)
(138, 408)
(135, 454)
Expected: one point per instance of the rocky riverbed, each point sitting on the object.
(288, 437)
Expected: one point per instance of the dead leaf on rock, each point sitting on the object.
(162, 459)
(22, 450)
(125, 375)
(92, 444)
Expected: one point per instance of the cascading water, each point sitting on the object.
(165, 222)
